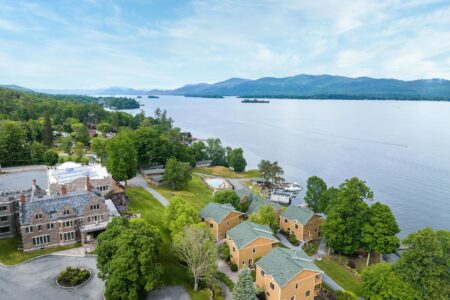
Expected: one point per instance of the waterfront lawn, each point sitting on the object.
(227, 172)
(152, 211)
(196, 193)
(10, 255)
(343, 276)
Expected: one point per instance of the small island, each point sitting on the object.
(203, 96)
(254, 101)
(152, 97)
(120, 102)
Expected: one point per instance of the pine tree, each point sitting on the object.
(47, 131)
(244, 289)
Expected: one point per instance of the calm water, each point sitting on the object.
(401, 149)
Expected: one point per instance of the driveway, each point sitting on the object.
(35, 279)
(139, 180)
(177, 292)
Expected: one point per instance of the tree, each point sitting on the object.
(236, 159)
(326, 197)
(345, 295)
(47, 131)
(425, 264)
(266, 215)
(379, 233)
(127, 258)
(244, 288)
(271, 171)
(178, 214)
(80, 133)
(381, 282)
(177, 174)
(199, 151)
(66, 144)
(227, 196)
(104, 127)
(13, 147)
(152, 146)
(78, 150)
(99, 147)
(216, 152)
(50, 158)
(121, 162)
(347, 214)
(315, 187)
(37, 152)
(198, 252)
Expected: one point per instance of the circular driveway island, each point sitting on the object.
(35, 279)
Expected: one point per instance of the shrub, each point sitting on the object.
(73, 276)
(345, 295)
(253, 273)
(216, 289)
(228, 282)
(224, 252)
(351, 264)
(293, 239)
(233, 267)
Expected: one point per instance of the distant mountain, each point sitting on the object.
(16, 88)
(323, 87)
(107, 91)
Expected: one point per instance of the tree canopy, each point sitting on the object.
(315, 187)
(121, 161)
(271, 171)
(179, 214)
(227, 196)
(177, 174)
(236, 160)
(265, 215)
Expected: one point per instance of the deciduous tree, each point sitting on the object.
(37, 152)
(50, 158)
(179, 214)
(121, 162)
(177, 174)
(227, 196)
(216, 152)
(265, 215)
(66, 144)
(315, 187)
(236, 159)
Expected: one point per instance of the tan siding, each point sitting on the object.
(305, 233)
(233, 219)
(261, 245)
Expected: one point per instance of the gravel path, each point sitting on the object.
(140, 181)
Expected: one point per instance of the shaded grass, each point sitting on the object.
(339, 273)
(152, 211)
(312, 247)
(196, 193)
(9, 255)
(227, 172)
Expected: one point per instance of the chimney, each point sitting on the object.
(63, 190)
(34, 182)
(22, 198)
(88, 184)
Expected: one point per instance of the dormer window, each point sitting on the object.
(66, 212)
(38, 216)
(95, 206)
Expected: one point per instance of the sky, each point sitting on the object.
(169, 43)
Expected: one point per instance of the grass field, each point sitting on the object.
(9, 255)
(152, 212)
(196, 193)
(227, 172)
(339, 273)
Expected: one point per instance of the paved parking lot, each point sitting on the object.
(35, 280)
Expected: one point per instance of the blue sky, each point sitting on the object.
(166, 44)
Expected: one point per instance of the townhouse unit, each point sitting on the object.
(249, 241)
(64, 218)
(220, 218)
(288, 274)
(302, 222)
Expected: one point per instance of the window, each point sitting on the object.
(4, 207)
(315, 230)
(296, 226)
(69, 236)
(95, 218)
(41, 240)
(38, 216)
(50, 226)
(262, 272)
(234, 250)
(39, 227)
(66, 212)
(268, 294)
(285, 221)
(4, 219)
(95, 206)
(296, 285)
(293, 298)
(228, 223)
(307, 293)
(67, 224)
(272, 286)
(29, 229)
(211, 225)
(243, 262)
(4, 229)
(254, 250)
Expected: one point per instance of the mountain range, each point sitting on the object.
(300, 86)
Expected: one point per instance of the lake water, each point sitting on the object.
(401, 149)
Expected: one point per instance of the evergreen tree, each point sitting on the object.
(47, 131)
(244, 288)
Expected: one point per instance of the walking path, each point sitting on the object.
(139, 180)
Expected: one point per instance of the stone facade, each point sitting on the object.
(103, 185)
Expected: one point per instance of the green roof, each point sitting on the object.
(284, 264)
(256, 203)
(246, 232)
(216, 211)
(302, 215)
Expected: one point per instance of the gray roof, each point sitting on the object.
(201, 162)
(246, 232)
(217, 211)
(284, 264)
(300, 214)
(153, 172)
(256, 203)
(53, 204)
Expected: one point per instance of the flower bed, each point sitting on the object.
(73, 277)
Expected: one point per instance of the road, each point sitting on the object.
(139, 180)
(35, 279)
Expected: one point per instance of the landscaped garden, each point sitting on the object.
(11, 255)
(73, 277)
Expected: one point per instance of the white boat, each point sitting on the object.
(293, 187)
(280, 197)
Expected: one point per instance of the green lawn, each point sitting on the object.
(227, 172)
(152, 212)
(339, 273)
(196, 193)
(9, 255)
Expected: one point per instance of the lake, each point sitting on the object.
(400, 148)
